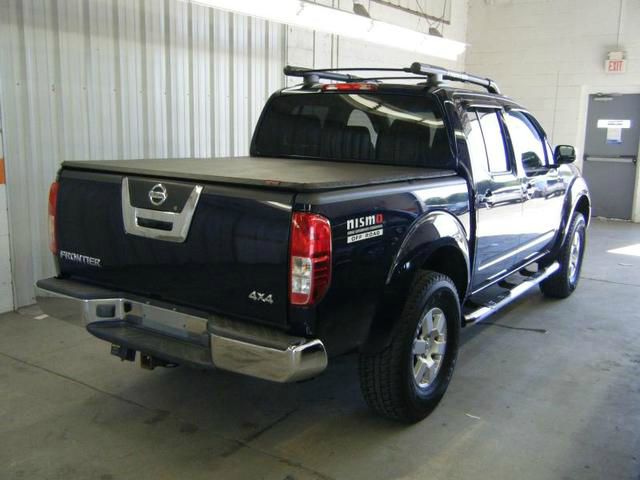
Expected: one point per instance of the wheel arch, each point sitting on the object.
(584, 207)
(576, 200)
(425, 244)
(436, 242)
(450, 261)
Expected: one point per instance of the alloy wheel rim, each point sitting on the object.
(429, 346)
(574, 256)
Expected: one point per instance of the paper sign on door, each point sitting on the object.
(614, 135)
(604, 123)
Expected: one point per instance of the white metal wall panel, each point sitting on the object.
(221, 83)
(121, 79)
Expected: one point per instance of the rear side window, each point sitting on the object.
(526, 142)
(494, 141)
(385, 129)
(475, 144)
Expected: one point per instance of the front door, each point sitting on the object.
(611, 149)
(543, 188)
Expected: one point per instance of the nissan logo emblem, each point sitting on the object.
(158, 195)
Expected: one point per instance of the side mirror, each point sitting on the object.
(564, 154)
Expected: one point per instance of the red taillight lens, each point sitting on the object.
(310, 258)
(349, 87)
(53, 207)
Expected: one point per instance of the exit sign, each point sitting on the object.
(615, 66)
(615, 63)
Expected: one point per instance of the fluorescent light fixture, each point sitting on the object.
(339, 22)
(360, 9)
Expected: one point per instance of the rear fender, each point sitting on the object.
(430, 233)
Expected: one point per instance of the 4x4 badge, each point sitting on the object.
(261, 297)
(158, 194)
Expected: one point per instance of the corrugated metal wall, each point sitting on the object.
(120, 79)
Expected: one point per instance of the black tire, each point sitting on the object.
(562, 283)
(387, 377)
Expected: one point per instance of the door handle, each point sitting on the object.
(487, 198)
(527, 189)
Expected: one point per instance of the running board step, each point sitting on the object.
(485, 311)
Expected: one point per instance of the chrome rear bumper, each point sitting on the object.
(160, 329)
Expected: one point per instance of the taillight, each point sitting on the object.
(53, 206)
(349, 87)
(310, 258)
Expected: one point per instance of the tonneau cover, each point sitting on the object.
(281, 173)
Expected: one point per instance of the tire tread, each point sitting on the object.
(557, 285)
(381, 386)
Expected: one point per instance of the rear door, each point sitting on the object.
(498, 196)
(192, 244)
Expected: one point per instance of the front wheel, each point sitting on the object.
(407, 379)
(562, 283)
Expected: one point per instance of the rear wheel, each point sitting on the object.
(407, 379)
(562, 283)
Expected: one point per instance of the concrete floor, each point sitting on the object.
(546, 390)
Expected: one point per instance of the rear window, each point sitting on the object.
(374, 128)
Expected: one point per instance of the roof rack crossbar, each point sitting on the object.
(433, 73)
(444, 74)
(310, 76)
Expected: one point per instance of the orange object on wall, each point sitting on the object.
(3, 178)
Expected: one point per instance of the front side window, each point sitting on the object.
(386, 129)
(549, 151)
(526, 142)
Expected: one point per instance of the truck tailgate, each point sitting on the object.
(111, 234)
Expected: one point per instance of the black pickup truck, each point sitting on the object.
(374, 215)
